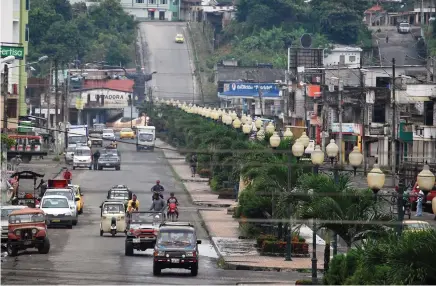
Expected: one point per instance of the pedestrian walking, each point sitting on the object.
(387, 39)
(193, 164)
(95, 157)
(419, 203)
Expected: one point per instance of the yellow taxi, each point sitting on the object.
(180, 38)
(80, 203)
(127, 133)
(415, 225)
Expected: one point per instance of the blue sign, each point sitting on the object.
(250, 89)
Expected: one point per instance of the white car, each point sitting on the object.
(58, 211)
(70, 196)
(6, 211)
(108, 134)
(82, 158)
(69, 154)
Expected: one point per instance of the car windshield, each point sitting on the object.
(145, 137)
(25, 218)
(404, 25)
(113, 208)
(6, 213)
(71, 149)
(77, 139)
(96, 135)
(110, 151)
(55, 203)
(126, 130)
(416, 226)
(82, 152)
(108, 131)
(143, 218)
(183, 237)
(179, 35)
(66, 194)
(121, 195)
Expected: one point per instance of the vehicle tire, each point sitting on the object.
(100, 168)
(128, 248)
(117, 168)
(90, 168)
(75, 222)
(45, 248)
(12, 251)
(101, 232)
(194, 270)
(70, 225)
(156, 269)
(80, 211)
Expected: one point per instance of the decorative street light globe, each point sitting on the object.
(298, 148)
(260, 134)
(233, 115)
(270, 128)
(167, 102)
(304, 139)
(332, 150)
(243, 118)
(375, 179)
(254, 129)
(288, 133)
(237, 123)
(426, 179)
(258, 123)
(249, 120)
(355, 158)
(274, 140)
(228, 120)
(246, 128)
(317, 156)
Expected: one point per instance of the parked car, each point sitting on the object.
(109, 160)
(57, 210)
(69, 154)
(6, 211)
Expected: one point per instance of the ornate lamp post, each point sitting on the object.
(317, 158)
(375, 179)
(270, 128)
(304, 140)
(288, 133)
(260, 134)
(355, 158)
(236, 123)
(258, 123)
(246, 128)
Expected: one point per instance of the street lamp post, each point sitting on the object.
(375, 179)
(332, 151)
(317, 158)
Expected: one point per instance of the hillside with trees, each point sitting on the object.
(66, 32)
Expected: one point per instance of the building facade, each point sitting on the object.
(163, 10)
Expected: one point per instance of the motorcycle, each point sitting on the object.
(172, 212)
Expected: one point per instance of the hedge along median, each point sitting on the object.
(226, 155)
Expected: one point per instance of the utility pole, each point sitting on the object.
(305, 104)
(365, 114)
(56, 120)
(394, 125)
(259, 91)
(66, 106)
(340, 122)
(48, 95)
(5, 98)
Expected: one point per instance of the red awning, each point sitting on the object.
(151, 10)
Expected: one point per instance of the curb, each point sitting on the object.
(232, 266)
(212, 205)
(220, 257)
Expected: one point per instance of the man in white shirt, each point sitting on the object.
(419, 203)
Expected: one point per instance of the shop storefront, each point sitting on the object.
(351, 136)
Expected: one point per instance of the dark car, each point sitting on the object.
(109, 160)
(111, 151)
(176, 247)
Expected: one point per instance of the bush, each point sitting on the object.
(265, 237)
(249, 230)
(205, 173)
(303, 282)
(227, 193)
(278, 247)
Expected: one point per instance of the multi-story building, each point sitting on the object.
(14, 42)
(164, 10)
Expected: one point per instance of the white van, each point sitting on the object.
(146, 137)
(82, 158)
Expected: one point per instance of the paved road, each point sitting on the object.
(171, 60)
(81, 256)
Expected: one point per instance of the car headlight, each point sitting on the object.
(189, 254)
(18, 232)
(34, 231)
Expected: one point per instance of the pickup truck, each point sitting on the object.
(96, 138)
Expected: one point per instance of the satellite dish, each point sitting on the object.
(306, 41)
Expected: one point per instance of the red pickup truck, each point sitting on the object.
(428, 198)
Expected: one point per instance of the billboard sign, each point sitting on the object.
(17, 52)
(241, 89)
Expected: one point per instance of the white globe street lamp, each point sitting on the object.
(298, 149)
(288, 133)
(258, 123)
(426, 179)
(270, 128)
(332, 150)
(376, 179)
(355, 158)
(236, 123)
(274, 140)
(260, 134)
(304, 140)
(317, 156)
(243, 118)
(246, 128)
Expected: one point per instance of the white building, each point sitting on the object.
(343, 56)
(10, 40)
(150, 9)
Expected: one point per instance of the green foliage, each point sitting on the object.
(65, 32)
(8, 141)
(389, 260)
(263, 29)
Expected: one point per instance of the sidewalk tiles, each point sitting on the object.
(224, 230)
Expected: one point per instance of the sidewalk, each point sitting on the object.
(223, 229)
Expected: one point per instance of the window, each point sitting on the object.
(164, 1)
(26, 37)
(342, 59)
(352, 59)
(12, 108)
(175, 15)
(140, 1)
(27, 5)
(152, 2)
(379, 113)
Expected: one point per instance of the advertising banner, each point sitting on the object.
(16, 51)
(241, 89)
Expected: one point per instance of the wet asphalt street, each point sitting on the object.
(81, 256)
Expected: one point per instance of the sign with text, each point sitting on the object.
(112, 98)
(348, 128)
(250, 89)
(16, 51)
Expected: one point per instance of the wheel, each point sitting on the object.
(74, 168)
(81, 210)
(12, 251)
(113, 234)
(45, 248)
(90, 168)
(194, 270)
(156, 269)
(101, 232)
(128, 249)
(75, 222)
(70, 226)
(100, 168)
(117, 168)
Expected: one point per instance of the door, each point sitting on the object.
(151, 15)
(161, 15)
(342, 60)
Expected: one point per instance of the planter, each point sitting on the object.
(204, 173)
(227, 193)
(278, 248)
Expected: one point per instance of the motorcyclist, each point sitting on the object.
(158, 188)
(114, 144)
(133, 204)
(173, 200)
(158, 204)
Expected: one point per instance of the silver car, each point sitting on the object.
(69, 154)
(108, 134)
